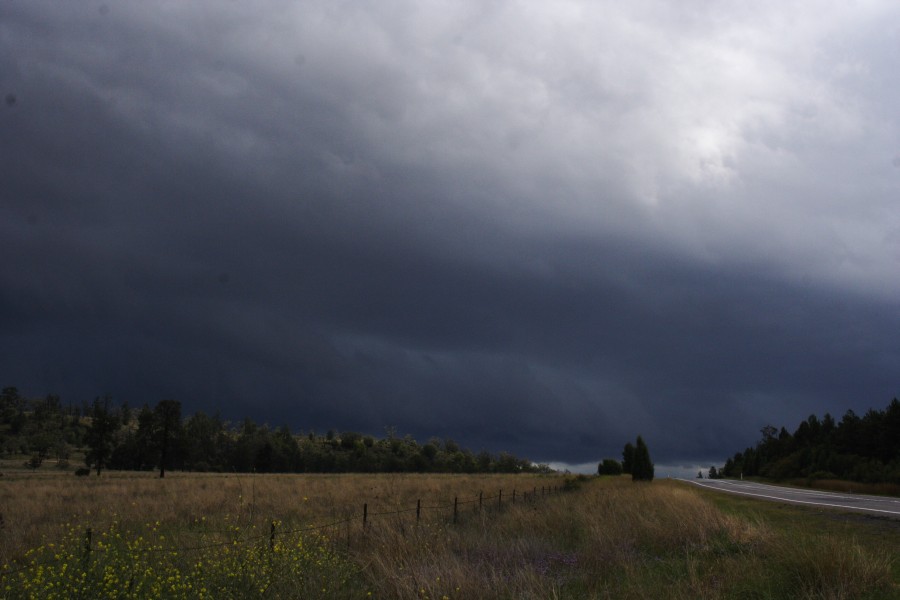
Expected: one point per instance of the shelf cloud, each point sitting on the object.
(535, 227)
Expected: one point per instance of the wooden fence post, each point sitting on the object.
(455, 512)
(479, 499)
(514, 496)
(365, 514)
(418, 509)
(272, 536)
(500, 500)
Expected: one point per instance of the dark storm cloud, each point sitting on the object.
(538, 230)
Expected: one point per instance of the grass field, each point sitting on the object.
(212, 536)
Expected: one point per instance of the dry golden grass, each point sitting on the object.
(38, 505)
(604, 541)
(610, 539)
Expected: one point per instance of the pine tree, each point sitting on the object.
(628, 458)
(166, 428)
(642, 469)
(100, 436)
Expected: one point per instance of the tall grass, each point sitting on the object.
(609, 539)
(829, 568)
(38, 506)
(615, 539)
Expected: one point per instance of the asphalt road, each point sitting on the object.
(875, 505)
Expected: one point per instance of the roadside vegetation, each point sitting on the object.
(861, 450)
(268, 536)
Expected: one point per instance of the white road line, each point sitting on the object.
(787, 490)
(730, 491)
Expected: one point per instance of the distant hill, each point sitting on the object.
(120, 438)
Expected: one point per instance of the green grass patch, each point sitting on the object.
(821, 553)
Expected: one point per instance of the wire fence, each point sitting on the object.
(342, 529)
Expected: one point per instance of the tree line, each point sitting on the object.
(635, 462)
(118, 437)
(864, 449)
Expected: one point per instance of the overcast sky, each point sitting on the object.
(540, 227)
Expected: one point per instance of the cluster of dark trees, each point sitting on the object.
(864, 449)
(158, 437)
(635, 461)
(38, 428)
(714, 473)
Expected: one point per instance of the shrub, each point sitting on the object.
(609, 466)
(820, 475)
(573, 483)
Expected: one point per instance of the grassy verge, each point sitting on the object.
(858, 533)
(842, 485)
(212, 536)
